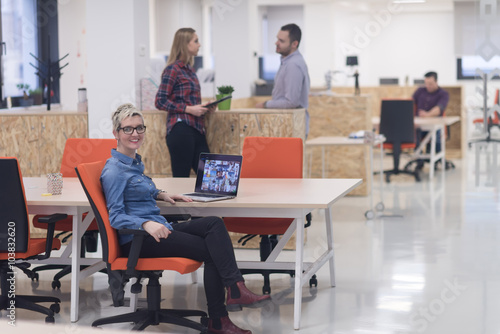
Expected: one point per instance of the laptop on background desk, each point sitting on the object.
(217, 177)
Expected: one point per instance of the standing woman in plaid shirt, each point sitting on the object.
(179, 94)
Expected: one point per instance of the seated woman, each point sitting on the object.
(131, 199)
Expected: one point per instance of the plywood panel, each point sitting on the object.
(20, 138)
(456, 142)
(154, 151)
(340, 115)
(223, 133)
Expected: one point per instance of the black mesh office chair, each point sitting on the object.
(396, 124)
(16, 244)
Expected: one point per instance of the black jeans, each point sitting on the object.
(185, 144)
(205, 240)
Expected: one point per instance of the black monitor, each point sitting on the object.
(268, 67)
(351, 61)
(388, 81)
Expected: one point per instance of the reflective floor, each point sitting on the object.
(432, 268)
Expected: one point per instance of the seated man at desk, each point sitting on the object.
(430, 101)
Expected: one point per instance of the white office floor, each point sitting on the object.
(436, 269)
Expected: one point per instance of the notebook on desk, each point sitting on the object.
(217, 177)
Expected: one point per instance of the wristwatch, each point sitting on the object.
(159, 192)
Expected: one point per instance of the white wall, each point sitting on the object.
(233, 54)
(392, 41)
(116, 31)
(72, 40)
(169, 16)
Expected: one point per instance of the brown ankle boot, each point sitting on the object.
(226, 327)
(243, 297)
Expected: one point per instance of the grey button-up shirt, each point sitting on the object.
(291, 85)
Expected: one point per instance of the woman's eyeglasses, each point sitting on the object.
(128, 130)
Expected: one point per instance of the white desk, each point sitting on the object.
(432, 125)
(324, 142)
(290, 198)
(72, 202)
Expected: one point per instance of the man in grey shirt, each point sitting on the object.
(291, 84)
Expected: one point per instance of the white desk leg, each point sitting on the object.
(476, 146)
(299, 257)
(433, 154)
(75, 265)
(494, 169)
(323, 161)
(371, 177)
(329, 242)
(381, 172)
(443, 149)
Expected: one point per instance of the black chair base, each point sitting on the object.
(143, 318)
(30, 303)
(266, 288)
(267, 244)
(154, 315)
(89, 244)
(27, 302)
(63, 271)
(388, 174)
(408, 167)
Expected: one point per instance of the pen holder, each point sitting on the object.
(54, 183)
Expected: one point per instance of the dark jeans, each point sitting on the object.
(185, 144)
(205, 240)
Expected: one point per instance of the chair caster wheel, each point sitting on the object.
(380, 207)
(35, 284)
(56, 308)
(387, 178)
(266, 290)
(369, 214)
(50, 320)
(313, 281)
(35, 277)
(56, 285)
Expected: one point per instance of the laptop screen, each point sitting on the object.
(218, 174)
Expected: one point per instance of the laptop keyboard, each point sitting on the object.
(204, 195)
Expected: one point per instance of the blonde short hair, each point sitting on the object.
(124, 111)
(179, 49)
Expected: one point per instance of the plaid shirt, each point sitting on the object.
(179, 88)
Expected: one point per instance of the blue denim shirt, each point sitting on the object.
(130, 195)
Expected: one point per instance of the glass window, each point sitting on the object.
(20, 35)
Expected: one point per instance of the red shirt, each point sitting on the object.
(180, 88)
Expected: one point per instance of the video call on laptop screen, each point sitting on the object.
(220, 174)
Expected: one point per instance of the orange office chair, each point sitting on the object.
(76, 151)
(492, 120)
(133, 266)
(396, 124)
(268, 157)
(16, 243)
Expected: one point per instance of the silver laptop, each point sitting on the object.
(217, 177)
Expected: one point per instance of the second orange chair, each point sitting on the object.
(76, 151)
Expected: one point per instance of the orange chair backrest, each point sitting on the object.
(89, 175)
(82, 150)
(272, 157)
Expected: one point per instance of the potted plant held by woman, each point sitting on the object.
(224, 91)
